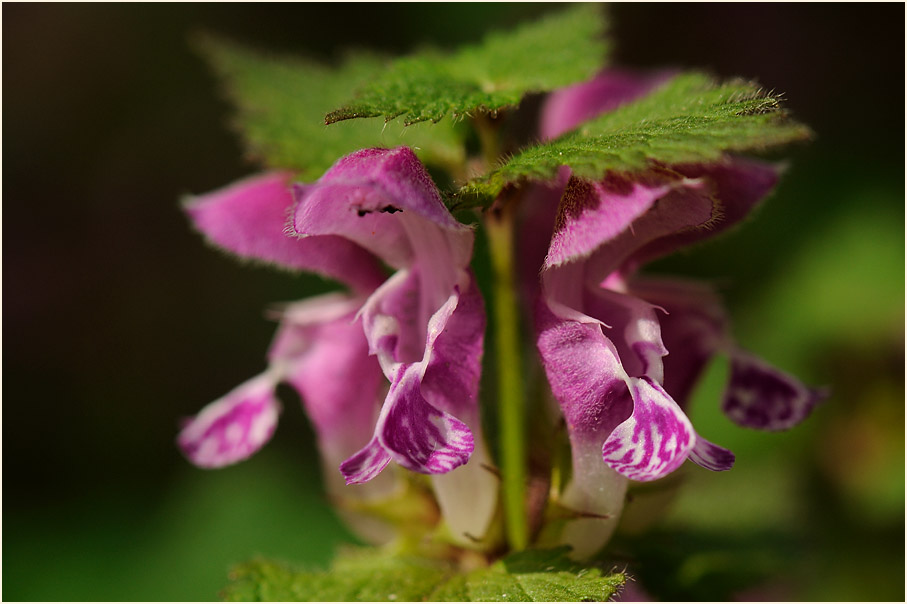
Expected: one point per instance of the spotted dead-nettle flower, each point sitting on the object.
(423, 328)
(623, 352)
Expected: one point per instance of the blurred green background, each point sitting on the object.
(119, 320)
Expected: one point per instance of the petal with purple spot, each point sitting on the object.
(710, 456)
(233, 427)
(762, 397)
(366, 464)
(417, 435)
(454, 345)
(655, 440)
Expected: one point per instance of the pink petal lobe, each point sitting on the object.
(234, 427)
(391, 320)
(585, 375)
(454, 348)
(737, 185)
(694, 329)
(655, 440)
(635, 331)
(417, 435)
(249, 219)
(325, 357)
(591, 214)
(366, 464)
(710, 456)
(382, 199)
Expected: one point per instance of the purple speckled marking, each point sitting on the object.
(655, 440)
(232, 428)
(419, 436)
(762, 397)
(366, 464)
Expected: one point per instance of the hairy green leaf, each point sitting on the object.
(366, 575)
(373, 575)
(282, 101)
(689, 119)
(561, 49)
(535, 576)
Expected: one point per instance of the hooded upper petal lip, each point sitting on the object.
(370, 196)
(249, 218)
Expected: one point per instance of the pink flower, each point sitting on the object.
(622, 352)
(422, 328)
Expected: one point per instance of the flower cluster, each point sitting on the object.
(389, 371)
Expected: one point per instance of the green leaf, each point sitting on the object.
(561, 49)
(281, 104)
(537, 576)
(690, 119)
(374, 575)
(360, 575)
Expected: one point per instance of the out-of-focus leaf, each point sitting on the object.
(373, 575)
(281, 103)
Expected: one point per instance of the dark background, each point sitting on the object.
(118, 320)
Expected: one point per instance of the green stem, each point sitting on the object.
(511, 395)
(487, 129)
(506, 310)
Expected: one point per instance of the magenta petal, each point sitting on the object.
(537, 215)
(710, 456)
(249, 218)
(687, 207)
(694, 328)
(737, 185)
(417, 435)
(635, 331)
(656, 439)
(585, 375)
(450, 383)
(568, 107)
(455, 346)
(366, 464)
(325, 357)
(384, 200)
(762, 397)
(393, 320)
(592, 213)
(234, 427)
